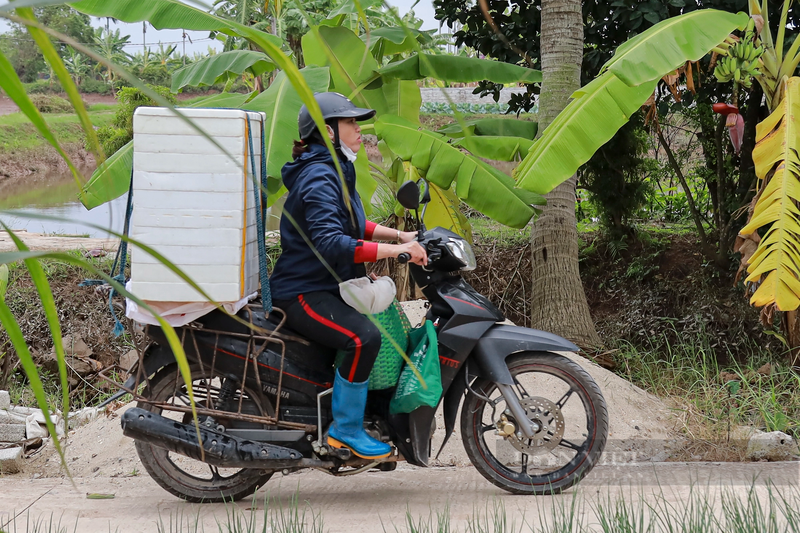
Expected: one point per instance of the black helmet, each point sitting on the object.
(332, 105)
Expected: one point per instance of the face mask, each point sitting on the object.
(348, 153)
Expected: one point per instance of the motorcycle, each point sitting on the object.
(532, 421)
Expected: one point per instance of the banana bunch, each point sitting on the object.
(740, 61)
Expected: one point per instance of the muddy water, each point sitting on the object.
(56, 196)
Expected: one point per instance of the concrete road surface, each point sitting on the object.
(373, 501)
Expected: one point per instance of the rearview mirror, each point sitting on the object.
(408, 195)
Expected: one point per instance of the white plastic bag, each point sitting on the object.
(367, 296)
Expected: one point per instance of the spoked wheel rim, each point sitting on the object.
(559, 404)
(205, 390)
(189, 478)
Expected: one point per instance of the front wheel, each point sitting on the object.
(563, 400)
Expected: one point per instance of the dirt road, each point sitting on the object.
(373, 501)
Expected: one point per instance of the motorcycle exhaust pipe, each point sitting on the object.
(218, 449)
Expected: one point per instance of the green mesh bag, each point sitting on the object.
(389, 363)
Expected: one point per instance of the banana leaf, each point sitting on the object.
(403, 98)
(776, 261)
(443, 210)
(671, 43)
(352, 66)
(458, 69)
(7, 8)
(112, 179)
(481, 186)
(226, 100)
(220, 68)
(365, 183)
(281, 103)
(391, 40)
(498, 127)
(349, 7)
(596, 112)
(165, 14)
(495, 148)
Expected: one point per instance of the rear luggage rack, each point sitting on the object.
(257, 338)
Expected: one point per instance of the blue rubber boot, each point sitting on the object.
(347, 430)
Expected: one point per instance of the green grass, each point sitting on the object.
(716, 397)
(17, 134)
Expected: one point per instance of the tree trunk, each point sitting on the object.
(559, 303)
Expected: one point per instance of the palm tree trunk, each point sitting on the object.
(559, 303)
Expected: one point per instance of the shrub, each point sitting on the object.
(112, 138)
(43, 87)
(120, 131)
(47, 103)
(93, 86)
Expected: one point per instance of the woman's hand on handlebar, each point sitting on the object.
(409, 252)
(415, 250)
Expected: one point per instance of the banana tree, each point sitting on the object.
(770, 241)
(353, 70)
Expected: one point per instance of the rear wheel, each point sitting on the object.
(187, 478)
(563, 400)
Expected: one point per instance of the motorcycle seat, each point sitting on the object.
(313, 355)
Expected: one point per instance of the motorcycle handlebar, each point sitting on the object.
(403, 257)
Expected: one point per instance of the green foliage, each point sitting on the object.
(93, 86)
(50, 104)
(44, 87)
(458, 69)
(3, 281)
(113, 138)
(25, 55)
(221, 68)
(617, 176)
(115, 135)
(481, 186)
(687, 369)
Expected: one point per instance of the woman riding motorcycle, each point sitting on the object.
(325, 241)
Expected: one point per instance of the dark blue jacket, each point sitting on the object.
(316, 204)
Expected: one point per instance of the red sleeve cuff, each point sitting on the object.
(366, 252)
(369, 230)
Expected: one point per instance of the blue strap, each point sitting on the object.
(121, 260)
(122, 255)
(259, 193)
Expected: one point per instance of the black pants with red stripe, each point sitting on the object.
(324, 318)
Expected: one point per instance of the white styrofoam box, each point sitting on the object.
(194, 204)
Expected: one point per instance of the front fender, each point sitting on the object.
(500, 341)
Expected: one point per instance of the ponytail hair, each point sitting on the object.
(299, 148)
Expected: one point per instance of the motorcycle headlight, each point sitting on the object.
(462, 251)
